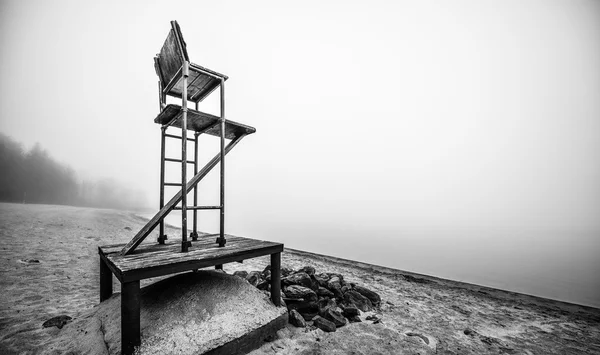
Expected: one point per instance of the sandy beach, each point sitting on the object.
(50, 268)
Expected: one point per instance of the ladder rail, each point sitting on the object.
(152, 223)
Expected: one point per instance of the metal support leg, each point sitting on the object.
(221, 239)
(194, 234)
(276, 279)
(106, 285)
(161, 231)
(185, 244)
(130, 316)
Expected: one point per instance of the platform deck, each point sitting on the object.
(199, 121)
(152, 260)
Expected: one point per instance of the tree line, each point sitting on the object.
(33, 176)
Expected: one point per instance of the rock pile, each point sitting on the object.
(324, 299)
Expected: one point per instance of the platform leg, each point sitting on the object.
(106, 284)
(276, 278)
(130, 316)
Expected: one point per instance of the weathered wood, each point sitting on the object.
(130, 316)
(113, 268)
(276, 279)
(143, 233)
(106, 284)
(152, 260)
(170, 60)
(251, 340)
(202, 122)
(171, 57)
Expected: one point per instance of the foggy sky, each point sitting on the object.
(376, 121)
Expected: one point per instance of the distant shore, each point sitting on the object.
(50, 267)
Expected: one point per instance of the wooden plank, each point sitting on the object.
(170, 58)
(143, 233)
(199, 121)
(158, 260)
(276, 279)
(170, 255)
(156, 271)
(114, 268)
(200, 89)
(106, 284)
(130, 316)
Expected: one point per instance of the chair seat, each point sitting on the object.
(200, 85)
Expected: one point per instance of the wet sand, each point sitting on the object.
(50, 267)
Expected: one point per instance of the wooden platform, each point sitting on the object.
(153, 260)
(199, 121)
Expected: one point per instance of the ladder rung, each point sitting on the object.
(179, 160)
(199, 208)
(172, 184)
(178, 137)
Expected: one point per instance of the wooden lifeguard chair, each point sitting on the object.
(132, 262)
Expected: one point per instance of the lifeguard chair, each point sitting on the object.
(134, 261)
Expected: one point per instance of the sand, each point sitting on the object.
(419, 314)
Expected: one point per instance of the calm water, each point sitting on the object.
(555, 264)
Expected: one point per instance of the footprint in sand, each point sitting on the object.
(429, 342)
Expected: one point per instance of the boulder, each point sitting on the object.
(323, 292)
(322, 279)
(308, 270)
(335, 285)
(307, 309)
(296, 319)
(243, 274)
(299, 278)
(372, 296)
(324, 324)
(335, 315)
(353, 298)
(285, 271)
(374, 318)
(355, 319)
(308, 316)
(333, 274)
(350, 311)
(314, 283)
(253, 277)
(266, 273)
(296, 292)
(324, 304)
(264, 285)
(58, 321)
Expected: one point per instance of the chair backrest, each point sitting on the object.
(172, 55)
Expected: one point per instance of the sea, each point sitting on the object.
(557, 264)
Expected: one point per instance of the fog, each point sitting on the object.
(459, 139)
